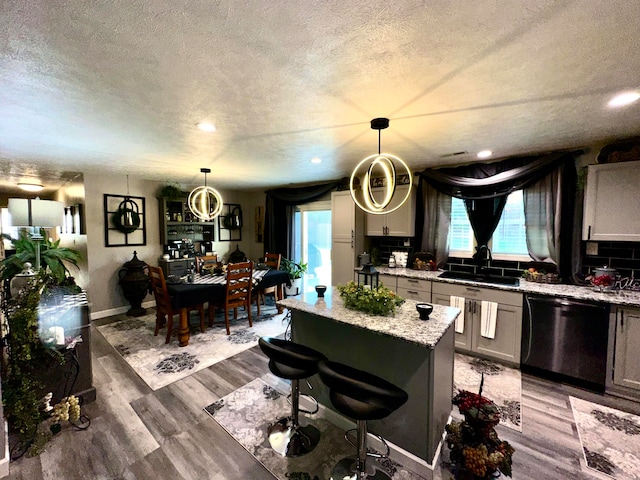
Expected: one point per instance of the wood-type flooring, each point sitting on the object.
(137, 433)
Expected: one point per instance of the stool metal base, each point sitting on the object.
(292, 441)
(345, 469)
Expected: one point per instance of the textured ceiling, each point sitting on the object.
(118, 85)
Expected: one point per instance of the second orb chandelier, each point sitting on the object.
(373, 181)
(205, 202)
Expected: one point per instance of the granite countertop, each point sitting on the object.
(617, 297)
(405, 324)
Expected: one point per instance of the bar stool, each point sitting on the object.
(294, 362)
(361, 396)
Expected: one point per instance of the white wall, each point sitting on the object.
(105, 295)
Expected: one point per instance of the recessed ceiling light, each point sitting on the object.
(206, 127)
(316, 160)
(484, 153)
(30, 187)
(623, 99)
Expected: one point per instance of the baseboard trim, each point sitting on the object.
(118, 311)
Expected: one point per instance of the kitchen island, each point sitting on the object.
(415, 355)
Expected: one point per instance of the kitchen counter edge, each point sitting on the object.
(405, 324)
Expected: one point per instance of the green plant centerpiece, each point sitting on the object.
(28, 415)
(476, 452)
(375, 301)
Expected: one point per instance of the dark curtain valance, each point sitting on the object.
(279, 210)
(490, 180)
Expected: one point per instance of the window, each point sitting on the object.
(509, 239)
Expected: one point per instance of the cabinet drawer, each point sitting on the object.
(388, 281)
(477, 293)
(414, 284)
(414, 294)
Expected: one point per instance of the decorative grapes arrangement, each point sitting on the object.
(476, 452)
(67, 410)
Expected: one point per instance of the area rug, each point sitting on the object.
(246, 413)
(160, 364)
(610, 439)
(502, 385)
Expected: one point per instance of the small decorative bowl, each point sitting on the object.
(320, 289)
(424, 310)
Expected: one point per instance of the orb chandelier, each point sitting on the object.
(205, 202)
(373, 181)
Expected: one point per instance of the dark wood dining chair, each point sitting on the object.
(272, 260)
(205, 260)
(164, 311)
(237, 294)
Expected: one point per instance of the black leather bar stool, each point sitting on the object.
(294, 362)
(361, 396)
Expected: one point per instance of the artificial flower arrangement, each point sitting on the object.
(476, 452)
(376, 301)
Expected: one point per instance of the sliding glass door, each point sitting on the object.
(313, 242)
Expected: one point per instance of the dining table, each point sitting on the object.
(212, 288)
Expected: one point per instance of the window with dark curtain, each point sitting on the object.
(485, 186)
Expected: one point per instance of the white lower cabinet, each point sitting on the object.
(505, 346)
(626, 369)
(414, 288)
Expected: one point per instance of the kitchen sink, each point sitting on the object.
(481, 277)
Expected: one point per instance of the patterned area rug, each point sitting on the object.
(610, 439)
(246, 414)
(502, 385)
(160, 364)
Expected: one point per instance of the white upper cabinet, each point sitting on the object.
(400, 223)
(612, 202)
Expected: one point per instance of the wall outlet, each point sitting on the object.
(591, 248)
(407, 242)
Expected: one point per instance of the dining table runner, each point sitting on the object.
(221, 279)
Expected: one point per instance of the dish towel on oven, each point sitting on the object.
(488, 313)
(458, 302)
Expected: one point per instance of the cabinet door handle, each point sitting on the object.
(474, 307)
(589, 233)
(412, 292)
(474, 290)
(621, 321)
(412, 280)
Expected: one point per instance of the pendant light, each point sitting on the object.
(205, 202)
(379, 170)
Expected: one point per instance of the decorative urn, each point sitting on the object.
(134, 281)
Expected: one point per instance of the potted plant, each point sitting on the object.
(295, 271)
(170, 191)
(52, 257)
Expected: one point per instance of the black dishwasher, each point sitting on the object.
(566, 340)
